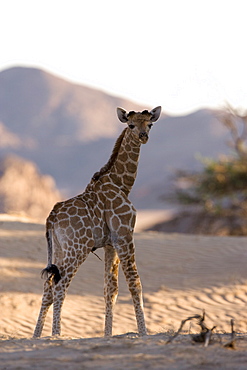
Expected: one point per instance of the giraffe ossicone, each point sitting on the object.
(101, 217)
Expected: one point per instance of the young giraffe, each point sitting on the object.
(102, 216)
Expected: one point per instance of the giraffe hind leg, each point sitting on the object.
(50, 273)
(67, 272)
(47, 301)
(59, 294)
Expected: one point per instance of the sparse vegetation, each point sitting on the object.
(220, 189)
(205, 336)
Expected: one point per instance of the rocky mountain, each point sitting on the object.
(23, 190)
(69, 130)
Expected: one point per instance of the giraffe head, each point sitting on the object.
(139, 123)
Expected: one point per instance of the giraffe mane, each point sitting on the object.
(112, 158)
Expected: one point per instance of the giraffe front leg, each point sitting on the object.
(47, 301)
(110, 286)
(126, 253)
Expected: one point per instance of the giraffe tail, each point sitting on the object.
(51, 270)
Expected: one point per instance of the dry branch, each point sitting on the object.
(203, 337)
(181, 327)
(232, 342)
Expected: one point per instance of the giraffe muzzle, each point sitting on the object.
(143, 137)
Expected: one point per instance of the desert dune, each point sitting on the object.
(181, 275)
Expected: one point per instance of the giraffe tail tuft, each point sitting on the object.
(53, 271)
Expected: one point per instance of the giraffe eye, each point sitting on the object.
(150, 125)
(131, 126)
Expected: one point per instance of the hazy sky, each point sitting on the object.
(181, 54)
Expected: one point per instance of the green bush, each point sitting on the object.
(222, 184)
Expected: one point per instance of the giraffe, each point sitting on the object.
(101, 217)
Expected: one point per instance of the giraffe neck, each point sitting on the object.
(124, 170)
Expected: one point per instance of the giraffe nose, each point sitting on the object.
(143, 137)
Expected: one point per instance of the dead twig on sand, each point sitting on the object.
(203, 337)
(181, 327)
(206, 333)
(232, 342)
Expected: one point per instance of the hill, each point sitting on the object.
(69, 130)
(23, 190)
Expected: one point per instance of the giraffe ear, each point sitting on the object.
(155, 113)
(122, 115)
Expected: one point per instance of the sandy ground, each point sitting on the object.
(181, 276)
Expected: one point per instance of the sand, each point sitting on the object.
(181, 275)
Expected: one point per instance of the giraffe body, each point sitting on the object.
(102, 216)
